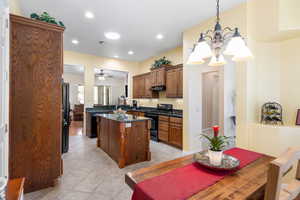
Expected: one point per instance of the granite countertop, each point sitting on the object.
(126, 118)
(107, 109)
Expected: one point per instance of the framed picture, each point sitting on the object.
(298, 118)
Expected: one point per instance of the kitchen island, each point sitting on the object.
(124, 138)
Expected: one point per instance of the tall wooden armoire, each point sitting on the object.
(36, 66)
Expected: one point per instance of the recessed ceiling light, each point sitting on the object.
(112, 35)
(159, 36)
(130, 52)
(89, 15)
(75, 41)
(116, 56)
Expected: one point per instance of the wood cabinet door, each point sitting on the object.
(161, 77)
(180, 83)
(104, 137)
(137, 142)
(141, 87)
(163, 128)
(148, 85)
(153, 78)
(135, 87)
(163, 135)
(175, 134)
(114, 142)
(172, 85)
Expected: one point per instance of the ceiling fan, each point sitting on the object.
(102, 76)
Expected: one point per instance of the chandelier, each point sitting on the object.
(219, 42)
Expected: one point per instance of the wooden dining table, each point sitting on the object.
(246, 183)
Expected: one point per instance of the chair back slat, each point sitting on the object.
(275, 189)
(298, 171)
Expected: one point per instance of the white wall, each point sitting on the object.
(229, 97)
(4, 97)
(74, 80)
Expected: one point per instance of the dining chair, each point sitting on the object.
(275, 189)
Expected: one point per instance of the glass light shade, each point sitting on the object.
(194, 59)
(217, 61)
(243, 54)
(101, 78)
(203, 50)
(234, 46)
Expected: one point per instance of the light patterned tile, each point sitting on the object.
(90, 174)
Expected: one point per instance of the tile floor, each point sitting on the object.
(89, 174)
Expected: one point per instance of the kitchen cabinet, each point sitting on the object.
(35, 125)
(170, 130)
(163, 128)
(175, 131)
(180, 82)
(142, 87)
(126, 142)
(174, 83)
(135, 87)
(158, 77)
(148, 93)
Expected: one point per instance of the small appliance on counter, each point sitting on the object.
(134, 104)
(122, 100)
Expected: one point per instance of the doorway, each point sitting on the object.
(111, 87)
(210, 99)
(73, 78)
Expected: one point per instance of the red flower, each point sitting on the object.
(216, 130)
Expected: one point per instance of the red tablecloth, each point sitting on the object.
(184, 182)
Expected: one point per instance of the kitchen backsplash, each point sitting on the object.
(177, 103)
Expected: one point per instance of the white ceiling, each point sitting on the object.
(138, 22)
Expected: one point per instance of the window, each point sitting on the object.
(102, 95)
(80, 96)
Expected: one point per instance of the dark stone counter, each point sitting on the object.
(108, 109)
(122, 118)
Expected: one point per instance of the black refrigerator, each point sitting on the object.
(65, 116)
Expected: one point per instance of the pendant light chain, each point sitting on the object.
(218, 10)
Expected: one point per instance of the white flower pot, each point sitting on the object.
(215, 157)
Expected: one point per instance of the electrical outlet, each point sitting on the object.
(127, 125)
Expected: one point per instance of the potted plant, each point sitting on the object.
(217, 143)
(45, 17)
(160, 62)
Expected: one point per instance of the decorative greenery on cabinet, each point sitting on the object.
(45, 17)
(160, 62)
